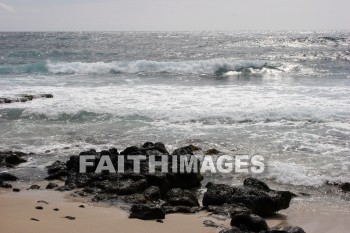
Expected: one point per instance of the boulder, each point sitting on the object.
(51, 185)
(14, 159)
(145, 212)
(57, 171)
(152, 193)
(57, 166)
(345, 187)
(249, 222)
(4, 176)
(186, 150)
(180, 197)
(11, 158)
(255, 198)
(212, 152)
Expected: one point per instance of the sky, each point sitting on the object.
(173, 15)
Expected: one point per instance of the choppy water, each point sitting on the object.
(283, 95)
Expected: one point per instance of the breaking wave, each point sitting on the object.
(206, 67)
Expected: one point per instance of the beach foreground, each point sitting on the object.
(18, 211)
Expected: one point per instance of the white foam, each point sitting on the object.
(181, 67)
(181, 103)
(301, 175)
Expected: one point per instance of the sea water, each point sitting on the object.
(283, 95)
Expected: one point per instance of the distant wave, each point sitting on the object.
(206, 67)
(77, 116)
(39, 67)
(96, 114)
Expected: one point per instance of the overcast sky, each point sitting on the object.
(160, 15)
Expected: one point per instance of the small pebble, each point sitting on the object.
(34, 219)
(56, 209)
(39, 207)
(70, 217)
(16, 190)
(81, 206)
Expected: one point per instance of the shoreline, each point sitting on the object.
(17, 209)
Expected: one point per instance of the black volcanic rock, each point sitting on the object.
(145, 212)
(57, 171)
(186, 150)
(4, 176)
(180, 197)
(152, 193)
(12, 158)
(51, 185)
(57, 166)
(256, 198)
(345, 187)
(249, 222)
(212, 152)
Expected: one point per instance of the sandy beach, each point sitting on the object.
(18, 210)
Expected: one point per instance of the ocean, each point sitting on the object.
(283, 95)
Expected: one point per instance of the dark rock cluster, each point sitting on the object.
(12, 158)
(24, 98)
(247, 204)
(170, 190)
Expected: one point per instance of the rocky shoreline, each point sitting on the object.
(151, 196)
